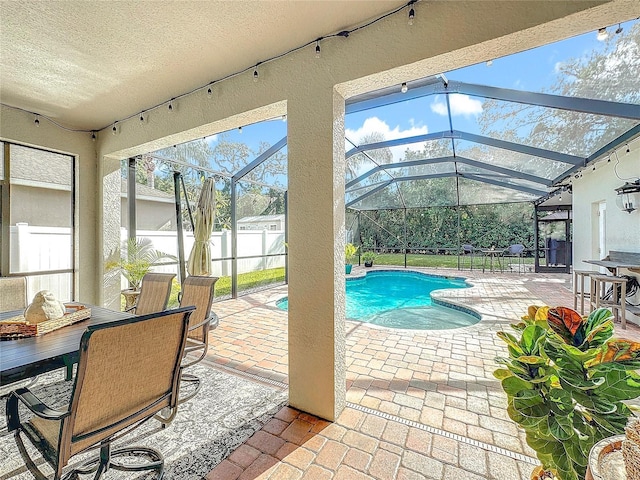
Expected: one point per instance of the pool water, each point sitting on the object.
(398, 299)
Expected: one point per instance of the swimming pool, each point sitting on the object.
(400, 299)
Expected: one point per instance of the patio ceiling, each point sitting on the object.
(87, 64)
(526, 147)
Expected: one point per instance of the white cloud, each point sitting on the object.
(375, 125)
(460, 105)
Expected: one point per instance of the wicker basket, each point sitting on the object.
(18, 327)
(631, 449)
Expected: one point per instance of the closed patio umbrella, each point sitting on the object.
(199, 262)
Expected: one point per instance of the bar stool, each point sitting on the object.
(581, 275)
(618, 300)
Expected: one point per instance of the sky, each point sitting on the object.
(533, 70)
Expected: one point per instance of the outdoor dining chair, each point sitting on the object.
(123, 380)
(154, 293)
(515, 251)
(13, 293)
(197, 292)
(467, 251)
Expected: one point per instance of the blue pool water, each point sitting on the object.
(400, 299)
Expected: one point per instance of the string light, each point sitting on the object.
(317, 48)
(209, 92)
(404, 87)
(628, 149)
(284, 118)
(602, 34)
(240, 130)
(142, 117)
(36, 121)
(93, 136)
(172, 106)
(114, 130)
(489, 63)
(619, 29)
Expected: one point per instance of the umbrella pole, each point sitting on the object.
(177, 176)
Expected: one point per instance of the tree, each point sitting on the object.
(610, 73)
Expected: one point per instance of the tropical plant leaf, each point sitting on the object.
(617, 351)
(560, 427)
(576, 452)
(596, 320)
(530, 404)
(580, 383)
(567, 323)
(514, 385)
(509, 339)
(502, 373)
(619, 385)
(532, 360)
(530, 337)
(561, 401)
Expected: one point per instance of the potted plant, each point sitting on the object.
(350, 251)
(136, 260)
(566, 378)
(368, 258)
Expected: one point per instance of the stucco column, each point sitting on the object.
(111, 221)
(315, 146)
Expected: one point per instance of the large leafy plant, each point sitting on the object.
(135, 261)
(566, 378)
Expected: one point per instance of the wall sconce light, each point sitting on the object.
(628, 196)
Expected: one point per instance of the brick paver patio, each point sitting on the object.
(420, 404)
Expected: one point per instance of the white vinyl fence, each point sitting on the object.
(250, 243)
(35, 249)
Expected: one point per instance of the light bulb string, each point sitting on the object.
(615, 169)
(343, 33)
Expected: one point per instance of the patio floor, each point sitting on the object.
(420, 404)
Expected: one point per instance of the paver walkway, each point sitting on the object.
(421, 404)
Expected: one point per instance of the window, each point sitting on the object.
(37, 205)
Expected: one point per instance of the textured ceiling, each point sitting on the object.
(86, 64)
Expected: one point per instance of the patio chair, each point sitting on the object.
(197, 292)
(13, 293)
(154, 293)
(123, 379)
(515, 251)
(468, 251)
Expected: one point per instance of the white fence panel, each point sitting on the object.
(250, 243)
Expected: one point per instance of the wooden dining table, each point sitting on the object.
(23, 358)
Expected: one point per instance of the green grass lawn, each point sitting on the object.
(435, 261)
(250, 280)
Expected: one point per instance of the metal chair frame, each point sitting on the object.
(104, 427)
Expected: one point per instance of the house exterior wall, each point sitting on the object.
(622, 229)
(42, 207)
(151, 214)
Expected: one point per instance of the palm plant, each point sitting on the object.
(137, 258)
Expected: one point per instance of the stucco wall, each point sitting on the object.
(622, 229)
